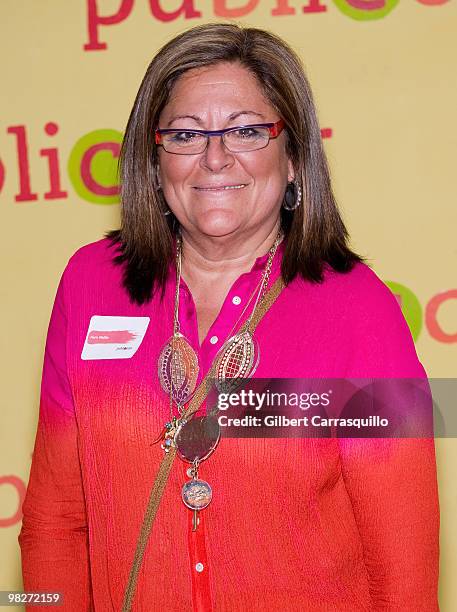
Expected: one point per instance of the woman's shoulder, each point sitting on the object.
(93, 265)
(366, 303)
(361, 275)
(94, 254)
(360, 287)
(375, 319)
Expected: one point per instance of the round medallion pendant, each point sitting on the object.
(197, 438)
(196, 494)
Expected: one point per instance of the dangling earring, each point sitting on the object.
(167, 211)
(158, 187)
(292, 197)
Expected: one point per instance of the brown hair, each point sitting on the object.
(315, 232)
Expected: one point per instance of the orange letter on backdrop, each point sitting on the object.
(431, 311)
(187, 7)
(221, 10)
(94, 20)
(20, 488)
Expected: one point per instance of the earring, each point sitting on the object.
(293, 195)
(158, 187)
(166, 209)
(156, 180)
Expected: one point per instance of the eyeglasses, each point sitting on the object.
(236, 139)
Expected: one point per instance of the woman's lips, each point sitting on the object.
(220, 187)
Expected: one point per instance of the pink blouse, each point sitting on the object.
(295, 524)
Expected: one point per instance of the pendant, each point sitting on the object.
(197, 438)
(178, 369)
(239, 357)
(196, 494)
(169, 432)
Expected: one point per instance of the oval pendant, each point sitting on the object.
(238, 359)
(197, 438)
(196, 494)
(178, 369)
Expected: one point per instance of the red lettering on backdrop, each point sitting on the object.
(431, 321)
(314, 6)
(432, 2)
(2, 174)
(21, 489)
(282, 8)
(187, 7)
(221, 10)
(55, 191)
(86, 174)
(25, 194)
(94, 20)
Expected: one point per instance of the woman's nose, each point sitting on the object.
(216, 155)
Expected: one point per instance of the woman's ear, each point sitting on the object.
(291, 171)
(157, 176)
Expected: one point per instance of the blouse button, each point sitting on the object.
(236, 300)
(213, 339)
(199, 567)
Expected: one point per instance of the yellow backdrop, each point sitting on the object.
(384, 79)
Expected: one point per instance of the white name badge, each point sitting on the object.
(114, 337)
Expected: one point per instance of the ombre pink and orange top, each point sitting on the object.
(294, 524)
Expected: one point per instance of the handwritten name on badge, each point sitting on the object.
(114, 337)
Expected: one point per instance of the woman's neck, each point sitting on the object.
(207, 259)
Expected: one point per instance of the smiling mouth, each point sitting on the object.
(221, 187)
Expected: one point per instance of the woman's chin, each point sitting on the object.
(218, 224)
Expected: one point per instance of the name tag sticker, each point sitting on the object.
(114, 337)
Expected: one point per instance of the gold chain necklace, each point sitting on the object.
(178, 363)
(195, 438)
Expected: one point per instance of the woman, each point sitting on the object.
(225, 195)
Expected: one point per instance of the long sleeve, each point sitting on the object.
(54, 533)
(392, 483)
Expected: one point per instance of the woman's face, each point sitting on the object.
(214, 98)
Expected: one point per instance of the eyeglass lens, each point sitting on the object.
(243, 139)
